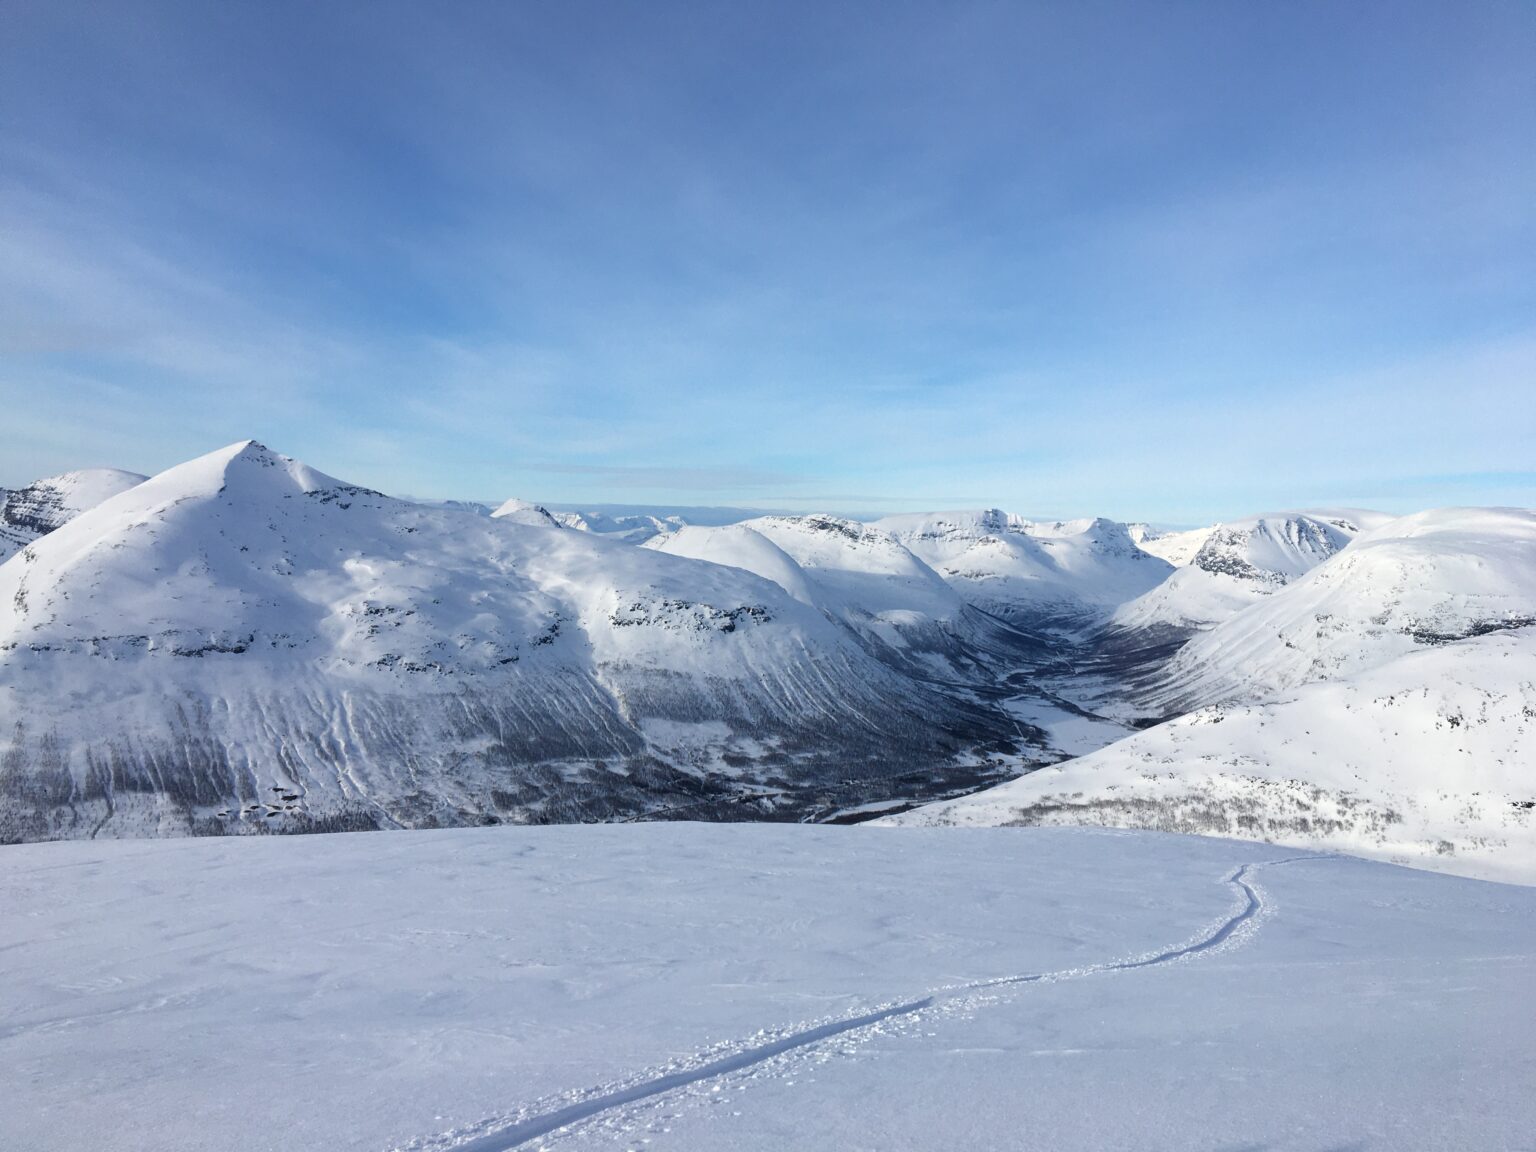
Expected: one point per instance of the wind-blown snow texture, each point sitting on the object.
(694, 987)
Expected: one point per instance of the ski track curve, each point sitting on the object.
(518, 1133)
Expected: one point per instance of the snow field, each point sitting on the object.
(435, 990)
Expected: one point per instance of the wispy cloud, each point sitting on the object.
(1070, 261)
(668, 478)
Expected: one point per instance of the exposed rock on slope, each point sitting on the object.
(1062, 576)
(34, 511)
(245, 642)
(1239, 563)
(863, 577)
(1422, 579)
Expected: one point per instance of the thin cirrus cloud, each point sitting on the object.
(669, 479)
(1164, 265)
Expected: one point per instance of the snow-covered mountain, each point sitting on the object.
(864, 577)
(1428, 759)
(242, 640)
(34, 511)
(517, 511)
(739, 546)
(634, 528)
(1039, 575)
(1422, 579)
(472, 507)
(1235, 564)
(1178, 548)
(1383, 702)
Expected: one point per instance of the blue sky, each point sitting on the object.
(1154, 261)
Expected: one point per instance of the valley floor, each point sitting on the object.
(691, 987)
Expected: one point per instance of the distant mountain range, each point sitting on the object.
(1382, 701)
(244, 644)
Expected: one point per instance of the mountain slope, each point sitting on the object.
(1064, 575)
(516, 511)
(634, 528)
(905, 613)
(1239, 563)
(858, 568)
(1178, 548)
(243, 641)
(739, 546)
(1428, 759)
(44, 505)
(1416, 580)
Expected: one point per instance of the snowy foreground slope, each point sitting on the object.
(244, 642)
(689, 987)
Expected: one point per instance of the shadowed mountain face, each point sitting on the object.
(245, 642)
(1220, 571)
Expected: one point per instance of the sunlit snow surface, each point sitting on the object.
(449, 989)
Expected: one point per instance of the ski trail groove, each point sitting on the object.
(517, 1134)
(543, 1125)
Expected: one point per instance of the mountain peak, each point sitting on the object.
(516, 511)
(246, 467)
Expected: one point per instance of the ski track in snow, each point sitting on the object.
(543, 1118)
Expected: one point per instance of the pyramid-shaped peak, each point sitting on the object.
(246, 468)
(517, 511)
